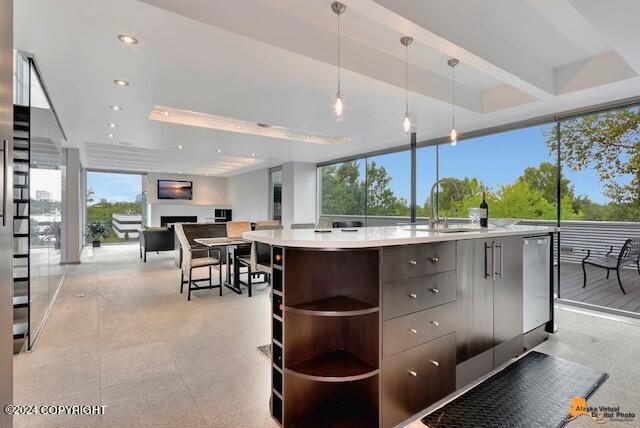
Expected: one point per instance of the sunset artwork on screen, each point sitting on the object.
(172, 189)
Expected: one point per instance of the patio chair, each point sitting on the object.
(629, 255)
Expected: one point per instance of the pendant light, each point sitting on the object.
(406, 123)
(453, 136)
(338, 107)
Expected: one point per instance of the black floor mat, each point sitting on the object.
(535, 391)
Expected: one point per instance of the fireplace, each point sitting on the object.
(166, 219)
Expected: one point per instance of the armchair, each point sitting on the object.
(628, 256)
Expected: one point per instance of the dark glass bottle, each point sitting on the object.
(484, 212)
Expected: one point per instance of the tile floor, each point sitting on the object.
(134, 344)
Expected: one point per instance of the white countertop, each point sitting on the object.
(365, 237)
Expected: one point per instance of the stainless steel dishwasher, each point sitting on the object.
(536, 282)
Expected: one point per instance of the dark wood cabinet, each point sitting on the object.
(416, 378)
(474, 334)
(410, 261)
(402, 333)
(507, 299)
(415, 294)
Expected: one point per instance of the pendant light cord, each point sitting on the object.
(453, 97)
(339, 53)
(406, 79)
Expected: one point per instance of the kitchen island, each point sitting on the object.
(370, 326)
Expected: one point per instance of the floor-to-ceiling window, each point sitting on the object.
(114, 206)
(276, 193)
(516, 170)
(388, 188)
(342, 191)
(601, 207)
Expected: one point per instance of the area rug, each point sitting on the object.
(266, 350)
(536, 390)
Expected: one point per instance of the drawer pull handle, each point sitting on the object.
(436, 323)
(435, 363)
(413, 262)
(414, 331)
(435, 259)
(413, 373)
(413, 295)
(435, 290)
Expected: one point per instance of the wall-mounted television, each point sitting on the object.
(175, 189)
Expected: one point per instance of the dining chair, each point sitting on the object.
(235, 229)
(303, 226)
(267, 223)
(189, 263)
(258, 262)
(350, 223)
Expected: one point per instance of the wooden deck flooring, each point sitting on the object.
(599, 290)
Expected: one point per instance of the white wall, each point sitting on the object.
(74, 209)
(298, 193)
(249, 195)
(209, 193)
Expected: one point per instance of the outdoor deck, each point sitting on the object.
(599, 290)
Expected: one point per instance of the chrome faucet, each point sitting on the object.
(450, 182)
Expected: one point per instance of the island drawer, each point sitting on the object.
(414, 379)
(409, 331)
(416, 294)
(410, 261)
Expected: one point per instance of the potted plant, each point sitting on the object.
(97, 230)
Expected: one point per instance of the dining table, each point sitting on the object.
(232, 281)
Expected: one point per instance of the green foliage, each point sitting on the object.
(610, 144)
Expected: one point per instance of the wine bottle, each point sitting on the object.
(484, 212)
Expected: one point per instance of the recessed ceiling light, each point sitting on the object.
(116, 108)
(219, 150)
(129, 40)
(120, 82)
(253, 154)
(110, 135)
(112, 125)
(179, 146)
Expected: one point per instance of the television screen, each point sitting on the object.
(174, 189)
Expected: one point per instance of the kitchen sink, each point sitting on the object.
(440, 229)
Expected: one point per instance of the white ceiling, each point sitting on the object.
(273, 61)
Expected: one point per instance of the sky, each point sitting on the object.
(46, 179)
(114, 187)
(495, 159)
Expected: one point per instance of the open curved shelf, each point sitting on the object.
(337, 366)
(338, 306)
